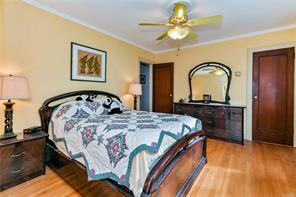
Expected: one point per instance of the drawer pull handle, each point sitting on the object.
(17, 155)
(17, 171)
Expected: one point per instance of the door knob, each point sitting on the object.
(171, 94)
(255, 97)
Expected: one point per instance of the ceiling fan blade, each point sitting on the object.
(163, 36)
(205, 20)
(192, 34)
(153, 24)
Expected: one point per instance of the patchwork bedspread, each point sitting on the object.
(109, 143)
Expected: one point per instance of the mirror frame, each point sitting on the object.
(225, 68)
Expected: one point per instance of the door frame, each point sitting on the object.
(248, 131)
(150, 63)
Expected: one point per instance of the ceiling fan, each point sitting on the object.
(179, 26)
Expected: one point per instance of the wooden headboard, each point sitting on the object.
(46, 109)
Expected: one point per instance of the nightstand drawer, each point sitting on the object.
(33, 158)
(21, 160)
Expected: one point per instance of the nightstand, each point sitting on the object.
(21, 158)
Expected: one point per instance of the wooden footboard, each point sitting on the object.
(173, 175)
(177, 170)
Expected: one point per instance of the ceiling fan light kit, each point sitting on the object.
(179, 26)
(178, 32)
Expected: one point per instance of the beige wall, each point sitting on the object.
(36, 44)
(232, 53)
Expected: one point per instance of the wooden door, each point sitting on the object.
(163, 81)
(273, 96)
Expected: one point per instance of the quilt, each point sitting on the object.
(109, 143)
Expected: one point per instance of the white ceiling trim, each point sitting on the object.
(232, 38)
(81, 22)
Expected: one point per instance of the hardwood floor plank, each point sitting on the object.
(253, 170)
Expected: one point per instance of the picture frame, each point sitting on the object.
(87, 63)
(207, 98)
(142, 79)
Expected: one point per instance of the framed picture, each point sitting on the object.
(207, 98)
(142, 79)
(88, 64)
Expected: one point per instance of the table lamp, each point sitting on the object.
(135, 89)
(12, 87)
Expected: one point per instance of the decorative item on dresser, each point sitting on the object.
(22, 158)
(224, 122)
(12, 87)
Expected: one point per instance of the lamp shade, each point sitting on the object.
(13, 87)
(135, 89)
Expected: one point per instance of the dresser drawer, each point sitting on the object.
(235, 114)
(20, 160)
(220, 112)
(185, 109)
(221, 122)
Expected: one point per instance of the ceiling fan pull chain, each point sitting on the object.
(178, 47)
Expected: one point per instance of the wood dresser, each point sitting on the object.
(22, 158)
(224, 122)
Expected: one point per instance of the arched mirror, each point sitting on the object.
(209, 83)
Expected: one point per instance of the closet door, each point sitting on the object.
(273, 96)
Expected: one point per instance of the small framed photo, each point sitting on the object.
(88, 64)
(207, 98)
(142, 79)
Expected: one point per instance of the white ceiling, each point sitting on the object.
(120, 18)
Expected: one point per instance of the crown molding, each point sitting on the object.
(231, 38)
(83, 23)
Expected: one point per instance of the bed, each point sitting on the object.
(173, 166)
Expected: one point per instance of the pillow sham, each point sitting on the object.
(80, 109)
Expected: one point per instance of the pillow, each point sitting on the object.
(113, 105)
(73, 109)
(80, 109)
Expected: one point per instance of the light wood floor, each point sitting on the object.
(254, 169)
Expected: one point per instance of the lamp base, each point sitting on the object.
(8, 132)
(135, 102)
(7, 136)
